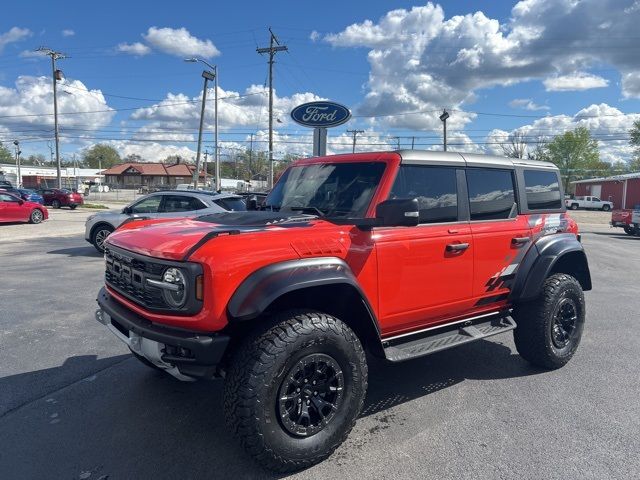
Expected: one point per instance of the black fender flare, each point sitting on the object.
(267, 284)
(540, 261)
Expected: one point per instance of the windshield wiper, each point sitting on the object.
(312, 210)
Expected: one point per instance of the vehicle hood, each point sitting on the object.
(177, 239)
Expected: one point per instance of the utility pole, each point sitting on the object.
(57, 75)
(413, 140)
(354, 133)
(18, 152)
(443, 118)
(206, 154)
(272, 49)
(251, 154)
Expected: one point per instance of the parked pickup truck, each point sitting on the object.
(588, 203)
(622, 218)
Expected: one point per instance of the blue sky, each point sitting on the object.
(499, 66)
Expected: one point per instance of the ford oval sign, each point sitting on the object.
(320, 114)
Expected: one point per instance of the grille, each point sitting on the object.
(128, 276)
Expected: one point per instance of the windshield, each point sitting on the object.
(327, 189)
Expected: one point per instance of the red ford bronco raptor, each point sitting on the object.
(398, 254)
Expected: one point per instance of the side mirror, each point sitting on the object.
(127, 210)
(20, 202)
(398, 212)
(252, 204)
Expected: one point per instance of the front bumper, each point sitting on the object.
(183, 354)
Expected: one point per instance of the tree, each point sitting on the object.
(101, 156)
(576, 154)
(133, 158)
(635, 142)
(516, 146)
(5, 155)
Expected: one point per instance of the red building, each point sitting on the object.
(622, 190)
(149, 174)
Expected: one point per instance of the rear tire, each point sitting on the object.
(73, 207)
(550, 327)
(36, 216)
(270, 398)
(55, 203)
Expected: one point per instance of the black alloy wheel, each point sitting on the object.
(564, 323)
(310, 395)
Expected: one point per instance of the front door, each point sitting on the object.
(10, 209)
(424, 272)
(501, 237)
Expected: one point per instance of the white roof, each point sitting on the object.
(625, 176)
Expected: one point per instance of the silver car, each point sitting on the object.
(160, 205)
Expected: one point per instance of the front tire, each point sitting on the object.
(73, 207)
(550, 328)
(36, 216)
(100, 234)
(293, 392)
(629, 230)
(574, 206)
(606, 208)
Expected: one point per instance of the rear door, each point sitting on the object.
(180, 206)
(425, 272)
(501, 236)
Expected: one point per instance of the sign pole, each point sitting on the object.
(319, 142)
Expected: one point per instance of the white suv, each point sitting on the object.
(160, 205)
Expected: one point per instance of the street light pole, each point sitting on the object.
(443, 118)
(208, 75)
(56, 75)
(18, 152)
(196, 172)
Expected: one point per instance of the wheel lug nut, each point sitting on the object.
(315, 394)
(314, 382)
(306, 381)
(308, 402)
(299, 400)
(297, 390)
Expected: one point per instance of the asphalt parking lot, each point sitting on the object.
(75, 405)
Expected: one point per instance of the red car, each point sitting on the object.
(393, 254)
(61, 197)
(14, 209)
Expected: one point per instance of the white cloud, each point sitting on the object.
(606, 123)
(29, 107)
(68, 32)
(574, 81)
(31, 54)
(631, 84)
(527, 104)
(420, 60)
(179, 42)
(137, 48)
(15, 34)
(150, 151)
(234, 109)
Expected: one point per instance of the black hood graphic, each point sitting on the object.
(256, 219)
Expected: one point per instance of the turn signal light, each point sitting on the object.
(199, 288)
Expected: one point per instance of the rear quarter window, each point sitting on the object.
(542, 190)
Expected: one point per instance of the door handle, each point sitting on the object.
(457, 247)
(519, 240)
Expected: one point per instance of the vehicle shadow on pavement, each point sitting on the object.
(88, 251)
(617, 236)
(392, 384)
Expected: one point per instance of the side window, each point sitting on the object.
(542, 190)
(595, 199)
(148, 205)
(180, 203)
(7, 198)
(434, 187)
(491, 194)
(232, 204)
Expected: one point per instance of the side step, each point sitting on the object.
(447, 336)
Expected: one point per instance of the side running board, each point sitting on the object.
(447, 336)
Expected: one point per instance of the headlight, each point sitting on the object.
(175, 297)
